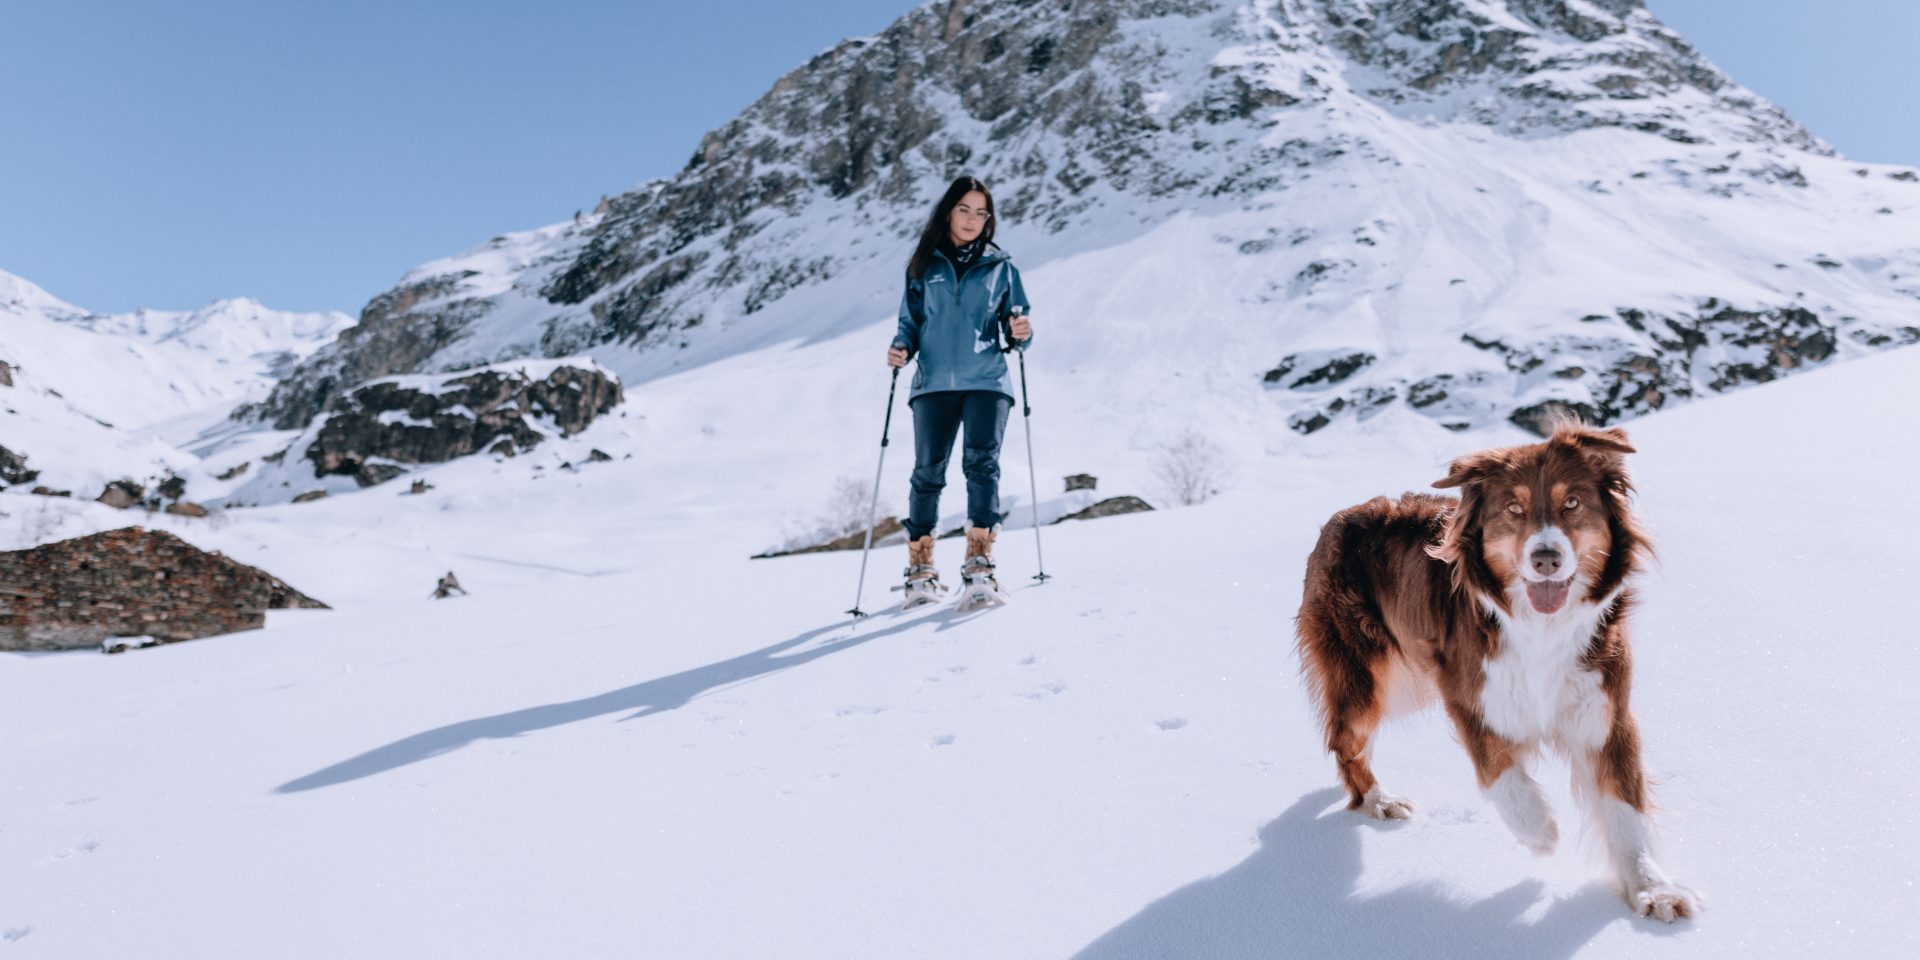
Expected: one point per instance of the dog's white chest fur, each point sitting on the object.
(1536, 689)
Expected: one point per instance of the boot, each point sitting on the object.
(978, 586)
(922, 578)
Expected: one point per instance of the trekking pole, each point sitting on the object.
(1026, 420)
(874, 505)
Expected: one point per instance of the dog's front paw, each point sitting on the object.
(1665, 902)
(1380, 806)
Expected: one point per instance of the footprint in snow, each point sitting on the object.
(941, 741)
(1046, 690)
(859, 711)
(85, 846)
(17, 934)
(1171, 723)
(1453, 815)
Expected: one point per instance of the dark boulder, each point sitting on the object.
(121, 494)
(1110, 507)
(13, 468)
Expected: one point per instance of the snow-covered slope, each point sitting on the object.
(632, 741)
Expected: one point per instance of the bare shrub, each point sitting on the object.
(1191, 468)
(847, 507)
(845, 513)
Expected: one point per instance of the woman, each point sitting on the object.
(963, 296)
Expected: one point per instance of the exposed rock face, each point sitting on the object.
(1615, 66)
(378, 346)
(1320, 368)
(1614, 368)
(131, 582)
(373, 433)
(6, 374)
(13, 468)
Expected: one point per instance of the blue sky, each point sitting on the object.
(307, 154)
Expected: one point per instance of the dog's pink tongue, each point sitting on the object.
(1549, 597)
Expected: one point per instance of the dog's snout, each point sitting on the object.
(1547, 562)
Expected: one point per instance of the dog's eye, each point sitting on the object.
(1514, 508)
(1572, 503)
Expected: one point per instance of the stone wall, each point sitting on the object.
(131, 582)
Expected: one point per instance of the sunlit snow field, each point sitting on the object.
(632, 741)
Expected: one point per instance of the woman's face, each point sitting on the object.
(967, 218)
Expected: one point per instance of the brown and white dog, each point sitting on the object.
(1509, 605)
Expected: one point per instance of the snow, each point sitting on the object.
(631, 740)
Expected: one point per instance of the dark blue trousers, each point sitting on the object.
(937, 418)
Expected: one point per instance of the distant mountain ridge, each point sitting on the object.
(88, 397)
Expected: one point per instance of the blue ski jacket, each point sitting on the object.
(951, 320)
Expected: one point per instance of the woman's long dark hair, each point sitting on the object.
(936, 232)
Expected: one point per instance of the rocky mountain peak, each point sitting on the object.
(787, 220)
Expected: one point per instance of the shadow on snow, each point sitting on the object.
(659, 695)
(1295, 897)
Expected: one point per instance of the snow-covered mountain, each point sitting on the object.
(1474, 209)
(91, 398)
(230, 331)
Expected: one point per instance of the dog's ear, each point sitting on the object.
(1611, 442)
(1459, 540)
(1464, 470)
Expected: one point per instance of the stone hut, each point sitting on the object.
(131, 582)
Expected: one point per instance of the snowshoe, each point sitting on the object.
(922, 584)
(978, 587)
